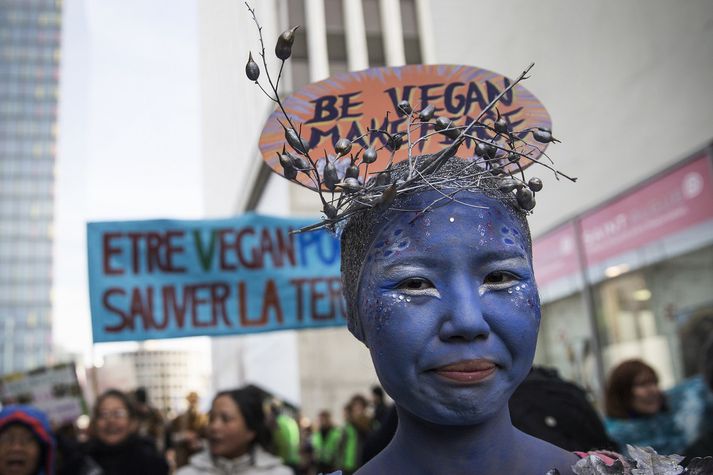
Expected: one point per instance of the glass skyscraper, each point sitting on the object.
(30, 34)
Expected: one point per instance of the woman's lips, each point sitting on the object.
(471, 371)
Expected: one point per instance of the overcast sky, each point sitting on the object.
(129, 136)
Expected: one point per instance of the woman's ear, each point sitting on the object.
(355, 328)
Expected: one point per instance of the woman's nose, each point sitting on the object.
(463, 318)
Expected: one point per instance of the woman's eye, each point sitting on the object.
(500, 279)
(417, 286)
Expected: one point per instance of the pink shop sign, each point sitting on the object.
(555, 255)
(675, 202)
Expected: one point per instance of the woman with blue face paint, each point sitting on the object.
(440, 288)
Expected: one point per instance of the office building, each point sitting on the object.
(30, 33)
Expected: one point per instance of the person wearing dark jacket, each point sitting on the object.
(558, 411)
(114, 444)
(27, 446)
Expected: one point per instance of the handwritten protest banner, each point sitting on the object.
(169, 278)
(357, 105)
(55, 390)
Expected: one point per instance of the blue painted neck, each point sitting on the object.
(493, 447)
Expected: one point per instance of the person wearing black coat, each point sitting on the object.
(114, 444)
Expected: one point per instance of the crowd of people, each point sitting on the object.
(246, 431)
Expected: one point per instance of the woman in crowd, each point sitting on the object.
(639, 413)
(27, 446)
(237, 438)
(114, 444)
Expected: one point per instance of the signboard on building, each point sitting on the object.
(54, 390)
(675, 202)
(170, 278)
(555, 255)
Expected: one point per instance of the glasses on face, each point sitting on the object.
(118, 414)
(8, 439)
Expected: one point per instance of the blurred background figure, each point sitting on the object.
(307, 460)
(149, 418)
(703, 445)
(27, 446)
(558, 411)
(325, 443)
(348, 453)
(186, 431)
(381, 409)
(357, 427)
(238, 437)
(114, 443)
(639, 413)
(286, 435)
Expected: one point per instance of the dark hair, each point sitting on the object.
(250, 401)
(377, 392)
(618, 394)
(141, 395)
(120, 395)
(361, 229)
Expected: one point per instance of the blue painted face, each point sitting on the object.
(449, 308)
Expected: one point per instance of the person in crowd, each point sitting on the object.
(325, 443)
(381, 409)
(348, 451)
(238, 437)
(379, 438)
(286, 435)
(360, 418)
(71, 459)
(150, 420)
(307, 461)
(27, 445)
(114, 443)
(187, 430)
(640, 413)
(703, 445)
(558, 411)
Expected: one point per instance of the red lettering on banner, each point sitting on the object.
(226, 246)
(266, 247)
(135, 238)
(196, 301)
(219, 293)
(248, 248)
(298, 283)
(318, 292)
(286, 246)
(173, 248)
(161, 250)
(153, 248)
(111, 308)
(141, 307)
(257, 261)
(210, 299)
(271, 301)
(109, 251)
(172, 307)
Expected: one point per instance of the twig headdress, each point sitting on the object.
(343, 136)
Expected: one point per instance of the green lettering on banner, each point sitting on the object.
(205, 256)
